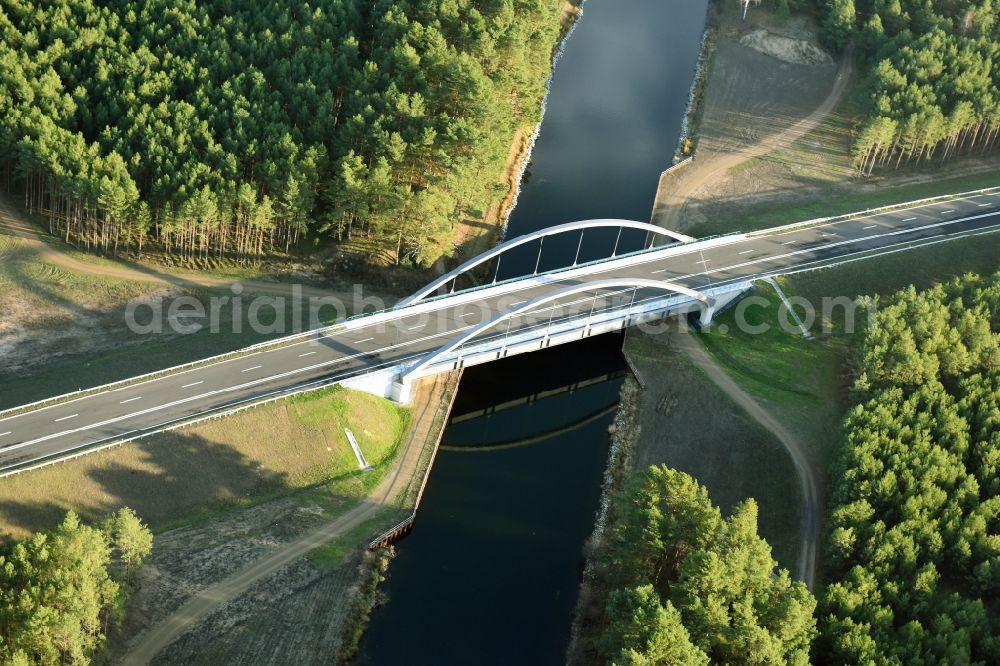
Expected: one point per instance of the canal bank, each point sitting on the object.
(492, 572)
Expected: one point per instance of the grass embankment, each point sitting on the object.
(190, 474)
(64, 324)
(797, 380)
(921, 267)
(804, 381)
(689, 424)
(752, 100)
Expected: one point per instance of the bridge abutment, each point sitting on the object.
(401, 391)
(705, 318)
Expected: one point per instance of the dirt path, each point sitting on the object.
(13, 224)
(429, 397)
(806, 468)
(673, 193)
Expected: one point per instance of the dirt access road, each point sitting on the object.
(430, 398)
(741, 124)
(712, 163)
(808, 471)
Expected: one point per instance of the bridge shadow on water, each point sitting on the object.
(496, 554)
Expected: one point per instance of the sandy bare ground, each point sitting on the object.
(712, 162)
(807, 469)
(203, 599)
(64, 306)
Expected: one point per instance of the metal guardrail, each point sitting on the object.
(585, 264)
(916, 203)
(352, 321)
(194, 419)
(343, 325)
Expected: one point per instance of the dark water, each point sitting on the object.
(490, 573)
(611, 126)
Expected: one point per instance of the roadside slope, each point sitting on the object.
(432, 397)
(12, 223)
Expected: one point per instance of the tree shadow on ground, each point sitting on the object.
(180, 475)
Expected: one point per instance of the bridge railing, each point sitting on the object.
(610, 313)
(348, 323)
(360, 318)
(497, 251)
(249, 403)
(343, 325)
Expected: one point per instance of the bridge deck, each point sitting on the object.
(395, 338)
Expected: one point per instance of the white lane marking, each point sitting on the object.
(526, 300)
(950, 210)
(66, 417)
(319, 332)
(983, 205)
(745, 252)
(336, 362)
(662, 270)
(2, 434)
(365, 340)
(323, 332)
(413, 328)
(466, 314)
(193, 384)
(138, 397)
(306, 354)
(253, 368)
(870, 226)
(790, 243)
(898, 232)
(430, 337)
(703, 261)
(230, 389)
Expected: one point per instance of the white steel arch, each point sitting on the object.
(637, 283)
(541, 233)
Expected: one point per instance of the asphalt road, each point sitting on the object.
(61, 429)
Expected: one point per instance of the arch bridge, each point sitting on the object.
(383, 352)
(652, 231)
(563, 305)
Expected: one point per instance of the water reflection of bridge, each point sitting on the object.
(541, 400)
(536, 438)
(535, 397)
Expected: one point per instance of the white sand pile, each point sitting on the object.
(786, 49)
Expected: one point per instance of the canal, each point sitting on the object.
(490, 573)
